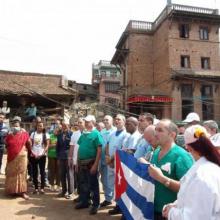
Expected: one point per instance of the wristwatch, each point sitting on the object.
(167, 183)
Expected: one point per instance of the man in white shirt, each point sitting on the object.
(5, 109)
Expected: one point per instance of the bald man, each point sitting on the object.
(150, 136)
(132, 128)
(171, 163)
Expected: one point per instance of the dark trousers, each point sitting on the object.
(1, 157)
(89, 186)
(158, 216)
(41, 164)
(65, 176)
(53, 171)
(29, 168)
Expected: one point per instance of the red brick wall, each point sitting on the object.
(193, 46)
(139, 68)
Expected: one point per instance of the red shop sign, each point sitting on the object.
(150, 99)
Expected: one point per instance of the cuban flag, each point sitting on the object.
(134, 188)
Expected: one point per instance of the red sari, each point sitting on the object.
(16, 169)
(15, 143)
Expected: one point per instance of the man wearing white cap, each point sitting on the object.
(89, 154)
(192, 119)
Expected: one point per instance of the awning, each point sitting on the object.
(150, 99)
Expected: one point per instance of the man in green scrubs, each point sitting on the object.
(89, 154)
(169, 163)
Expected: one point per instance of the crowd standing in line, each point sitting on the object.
(187, 177)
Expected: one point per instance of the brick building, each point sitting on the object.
(106, 78)
(171, 66)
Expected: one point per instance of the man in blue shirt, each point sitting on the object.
(62, 150)
(31, 112)
(105, 133)
(143, 147)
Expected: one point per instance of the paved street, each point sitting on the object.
(46, 207)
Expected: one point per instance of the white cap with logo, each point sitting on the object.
(190, 134)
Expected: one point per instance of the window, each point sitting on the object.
(187, 101)
(185, 61)
(112, 101)
(204, 33)
(205, 63)
(186, 91)
(207, 102)
(207, 91)
(112, 87)
(113, 74)
(187, 107)
(103, 73)
(208, 110)
(184, 30)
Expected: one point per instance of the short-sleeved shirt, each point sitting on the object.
(174, 165)
(88, 144)
(131, 141)
(38, 142)
(63, 144)
(74, 139)
(142, 148)
(105, 135)
(116, 141)
(52, 148)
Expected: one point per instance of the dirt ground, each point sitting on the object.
(44, 207)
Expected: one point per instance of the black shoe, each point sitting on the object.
(81, 206)
(93, 210)
(115, 211)
(105, 203)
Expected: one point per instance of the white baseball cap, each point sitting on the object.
(192, 133)
(90, 118)
(192, 117)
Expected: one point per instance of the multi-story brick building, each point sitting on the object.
(171, 66)
(107, 78)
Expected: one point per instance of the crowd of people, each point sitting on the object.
(81, 157)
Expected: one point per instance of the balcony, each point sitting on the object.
(195, 73)
(144, 26)
(103, 78)
(194, 9)
(139, 26)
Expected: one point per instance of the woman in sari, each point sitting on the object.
(17, 143)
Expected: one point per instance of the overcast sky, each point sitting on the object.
(67, 36)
